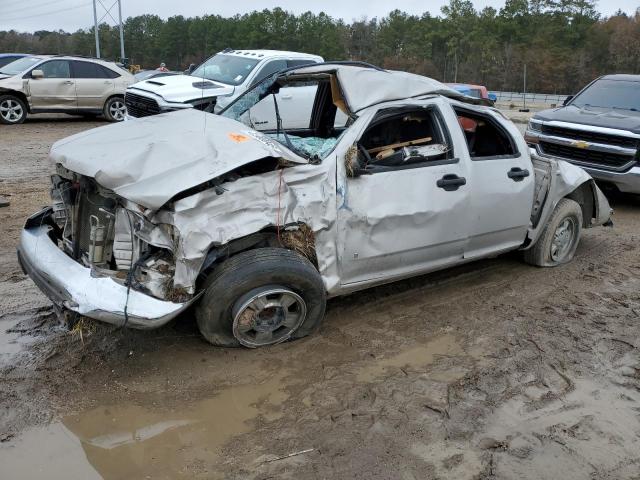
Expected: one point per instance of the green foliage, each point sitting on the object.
(564, 43)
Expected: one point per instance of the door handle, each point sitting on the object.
(286, 97)
(517, 174)
(107, 82)
(67, 82)
(451, 182)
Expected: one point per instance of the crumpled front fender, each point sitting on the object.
(565, 179)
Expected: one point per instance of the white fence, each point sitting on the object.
(517, 98)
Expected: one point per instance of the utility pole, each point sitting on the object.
(107, 12)
(524, 88)
(121, 31)
(95, 28)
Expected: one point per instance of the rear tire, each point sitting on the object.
(114, 109)
(559, 240)
(261, 297)
(13, 110)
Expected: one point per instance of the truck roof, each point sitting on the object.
(622, 76)
(269, 53)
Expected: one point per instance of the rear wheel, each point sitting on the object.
(12, 110)
(261, 297)
(560, 238)
(115, 109)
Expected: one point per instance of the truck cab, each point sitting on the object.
(213, 84)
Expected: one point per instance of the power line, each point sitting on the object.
(31, 7)
(48, 13)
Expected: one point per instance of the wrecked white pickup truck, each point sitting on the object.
(257, 228)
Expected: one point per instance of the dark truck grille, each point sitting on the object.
(594, 137)
(607, 160)
(139, 106)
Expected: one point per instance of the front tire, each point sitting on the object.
(114, 109)
(12, 110)
(559, 240)
(261, 297)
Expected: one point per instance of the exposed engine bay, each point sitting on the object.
(96, 230)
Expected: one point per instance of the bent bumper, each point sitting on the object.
(70, 285)
(627, 182)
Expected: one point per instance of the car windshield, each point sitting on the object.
(228, 69)
(265, 109)
(607, 93)
(20, 65)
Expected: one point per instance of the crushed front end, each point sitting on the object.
(96, 254)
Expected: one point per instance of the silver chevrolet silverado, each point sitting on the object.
(255, 226)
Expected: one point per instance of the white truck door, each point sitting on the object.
(503, 186)
(412, 216)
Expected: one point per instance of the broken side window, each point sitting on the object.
(404, 137)
(485, 137)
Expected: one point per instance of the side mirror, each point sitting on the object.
(37, 74)
(567, 100)
(191, 68)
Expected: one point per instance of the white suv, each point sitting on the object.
(215, 83)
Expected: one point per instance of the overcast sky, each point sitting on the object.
(70, 15)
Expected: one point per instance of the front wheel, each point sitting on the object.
(115, 109)
(12, 110)
(560, 238)
(261, 297)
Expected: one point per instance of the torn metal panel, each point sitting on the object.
(152, 160)
(564, 179)
(364, 87)
(303, 194)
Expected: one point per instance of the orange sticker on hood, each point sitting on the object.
(238, 138)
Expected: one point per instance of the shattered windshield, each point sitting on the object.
(251, 97)
(228, 69)
(284, 114)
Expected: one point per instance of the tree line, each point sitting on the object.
(564, 43)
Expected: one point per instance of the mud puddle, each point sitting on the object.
(413, 358)
(133, 441)
(591, 432)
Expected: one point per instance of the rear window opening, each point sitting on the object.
(485, 137)
(403, 137)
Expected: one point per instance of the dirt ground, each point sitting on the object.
(495, 370)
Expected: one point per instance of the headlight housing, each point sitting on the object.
(535, 125)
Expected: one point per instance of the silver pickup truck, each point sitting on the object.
(256, 227)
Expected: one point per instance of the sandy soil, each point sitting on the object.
(495, 370)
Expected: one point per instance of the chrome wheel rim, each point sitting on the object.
(118, 110)
(267, 316)
(11, 111)
(563, 239)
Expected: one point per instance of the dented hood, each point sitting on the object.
(150, 160)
